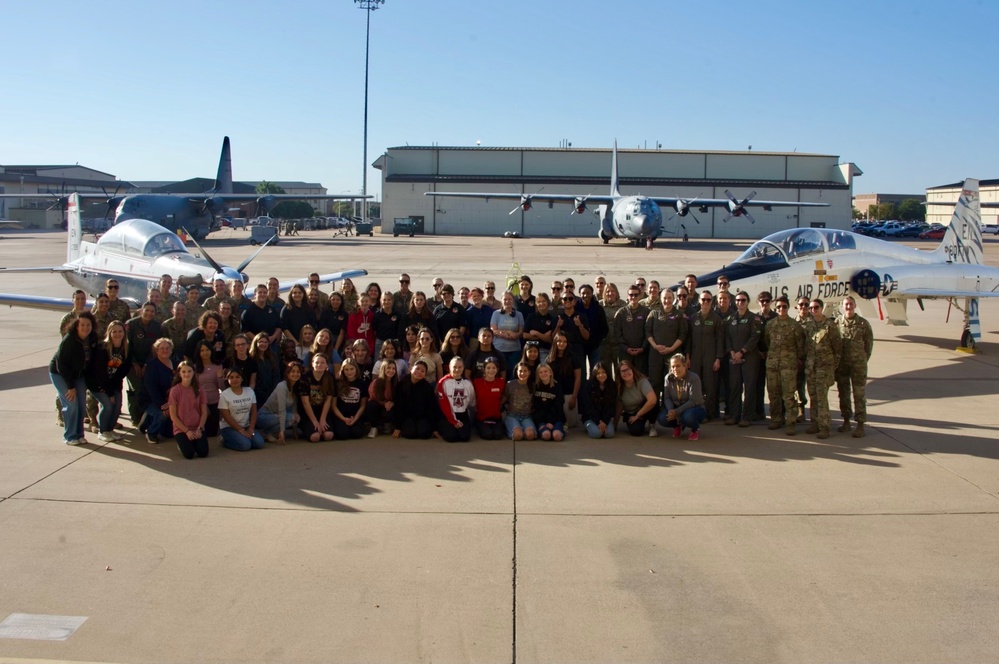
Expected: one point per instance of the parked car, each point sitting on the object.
(933, 233)
(990, 229)
(403, 227)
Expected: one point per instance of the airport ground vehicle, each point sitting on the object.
(403, 226)
(260, 233)
(364, 228)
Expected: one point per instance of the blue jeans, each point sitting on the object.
(690, 418)
(110, 410)
(514, 422)
(158, 422)
(234, 440)
(512, 358)
(594, 431)
(72, 411)
(269, 423)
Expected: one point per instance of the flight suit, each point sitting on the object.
(629, 332)
(823, 346)
(707, 344)
(743, 335)
(666, 329)
(785, 341)
(858, 344)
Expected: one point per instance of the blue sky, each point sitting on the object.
(146, 90)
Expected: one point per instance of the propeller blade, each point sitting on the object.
(242, 266)
(729, 196)
(211, 261)
(745, 213)
(514, 209)
(751, 196)
(694, 217)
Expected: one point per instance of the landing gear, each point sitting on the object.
(649, 241)
(604, 237)
(968, 341)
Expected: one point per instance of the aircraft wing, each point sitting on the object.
(60, 268)
(572, 199)
(323, 278)
(284, 197)
(671, 201)
(940, 292)
(61, 304)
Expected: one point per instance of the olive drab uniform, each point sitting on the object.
(629, 332)
(785, 355)
(119, 311)
(823, 346)
(858, 344)
(742, 336)
(666, 329)
(707, 344)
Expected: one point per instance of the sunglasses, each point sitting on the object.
(765, 301)
(681, 296)
(568, 299)
(490, 288)
(814, 307)
(557, 288)
(634, 294)
(705, 299)
(741, 299)
(723, 283)
(404, 281)
(313, 281)
(802, 305)
(114, 287)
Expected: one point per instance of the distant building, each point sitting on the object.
(43, 185)
(408, 172)
(863, 202)
(940, 201)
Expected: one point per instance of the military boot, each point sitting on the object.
(775, 424)
(823, 434)
(812, 428)
(859, 431)
(843, 428)
(790, 428)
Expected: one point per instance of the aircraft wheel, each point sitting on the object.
(968, 341)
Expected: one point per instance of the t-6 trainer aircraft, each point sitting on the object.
(197, 212)
(831, 264)
(136, 253)
(637, 218)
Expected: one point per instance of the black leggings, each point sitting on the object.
(453, 434)
(490, 429)
(417, 429)
(189, 448)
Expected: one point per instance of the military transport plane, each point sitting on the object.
(637, 218)
(197, 212)
(136, 252)
(884, 276)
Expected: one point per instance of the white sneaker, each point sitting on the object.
(373, 432)
(108, 437)
(270, 438)
(75, 441)
(653, 432)
(82, 441)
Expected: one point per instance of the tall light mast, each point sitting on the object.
(369, 6)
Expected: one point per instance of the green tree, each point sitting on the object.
(857, 214)
(886, 211)
(911, 209)
(265, 187)
(292, 210)
(872, 212)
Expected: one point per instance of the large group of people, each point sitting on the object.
(345, 364)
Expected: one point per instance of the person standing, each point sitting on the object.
(596, 322)
(766, 314)
(802, 317)
(68, 371)
(402, 297)
(508, 326)
(261, 317)
(785, 340)
(742, 343)
(449, 314)
(629, 330)
(142, 332)
(851, 373)
(707, 350)
(666, 330)
(117, 308)
(822, 352)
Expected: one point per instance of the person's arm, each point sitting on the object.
(324, 416)
(253, 381)
(360, 411)
(253, 419)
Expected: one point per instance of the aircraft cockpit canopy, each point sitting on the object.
(141, 237)
(792, 244)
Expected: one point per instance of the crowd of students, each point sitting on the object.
(345, 364)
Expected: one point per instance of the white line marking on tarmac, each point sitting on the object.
(40, 627)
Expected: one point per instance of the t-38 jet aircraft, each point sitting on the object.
(136, 252)
(882, 276)
(637, 218)
(197, 212)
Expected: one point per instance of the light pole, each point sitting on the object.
(369, 6)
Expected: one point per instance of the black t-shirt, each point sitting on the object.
(350, 402)
(476, 362)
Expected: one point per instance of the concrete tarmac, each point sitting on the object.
(746, 546)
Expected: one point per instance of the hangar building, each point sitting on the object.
(409, 171)
(940, 201)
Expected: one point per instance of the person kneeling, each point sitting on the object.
(455, 395)
(549, 402)
(238, 408)
(683, 401)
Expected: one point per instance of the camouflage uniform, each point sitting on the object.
(858, 344)
(193, 315)
(102, 323)
(119, 310)
(823, 348)
(802, 389)
(707, 344)
(785, 341)
(665, 329)
(176, 331)
(213, 302)
(742, 334)
(230, 328)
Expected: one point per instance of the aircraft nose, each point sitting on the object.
(646, 225)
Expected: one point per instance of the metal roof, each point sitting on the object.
(605, 181)
(609, 150)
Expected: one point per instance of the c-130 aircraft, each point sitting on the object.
(198, 213)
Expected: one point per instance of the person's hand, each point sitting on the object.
(671, 415)
(389, 404)
(602, 426)
(458, 424)
(716, 366)
(572, 402)
(71, 394)
(633, 419)
(396, 433)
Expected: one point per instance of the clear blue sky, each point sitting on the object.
(146, 90)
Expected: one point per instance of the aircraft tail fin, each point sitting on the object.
(223, 180)
(962, 242)
(74, 228)
(614, 191)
